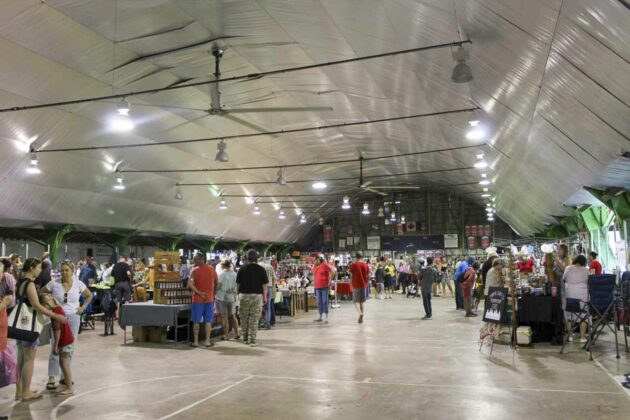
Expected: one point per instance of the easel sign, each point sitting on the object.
(496, 301)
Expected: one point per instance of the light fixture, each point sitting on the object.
(481, 164)
(346, 203)
(281, 180)
(484, 175)
(123, 107)
(303, 219)
(490, 219)
(319, 185)
(392, 217)
(486, 195)
(122, 123)
(281, 216)
(484, 182)
(402, 220)
(476, 131)
(256, 211)
(298, 211)
(250, 200)
(321, 221)
(119, 184)
(381, 212)
(480, 156)
(461, 71)
(33, 167)
(488, 205)
(276, 206)
(178, 194)
(485, 190)
(223, 205)
(365, 210)
(222, 155)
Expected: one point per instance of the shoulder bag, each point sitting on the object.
(25, 324)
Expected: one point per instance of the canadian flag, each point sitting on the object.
(411, 226)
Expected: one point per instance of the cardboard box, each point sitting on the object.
(312, 302)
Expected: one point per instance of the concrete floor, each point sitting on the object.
(394, 366)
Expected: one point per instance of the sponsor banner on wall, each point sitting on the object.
(472, 242)
(485, 242)
(474, 230)
(451, 240)
(400, 228)
(487, 230)
(342, 243)
(328, 233)
(411, 226)
(467, 230)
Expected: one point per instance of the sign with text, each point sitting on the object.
(451, 241)
(496, 302)
(374, 242)
(328, 233)
(412, 243)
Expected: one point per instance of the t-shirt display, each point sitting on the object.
(251, 279)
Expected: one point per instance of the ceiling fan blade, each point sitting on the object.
(181, 108)
(281, 109)
(396, 187)
(367, 184)
(376, 192)
(246, 123)
(185, 123)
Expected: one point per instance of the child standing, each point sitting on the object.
(63, 342)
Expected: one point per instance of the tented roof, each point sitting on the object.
(552, 79)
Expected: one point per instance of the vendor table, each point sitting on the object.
(344, 289)
(153, 314)
(544, 315)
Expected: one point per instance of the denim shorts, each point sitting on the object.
(28, 344)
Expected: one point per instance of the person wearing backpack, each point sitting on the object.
(429, 276)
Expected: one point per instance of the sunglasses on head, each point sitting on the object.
(65, 297)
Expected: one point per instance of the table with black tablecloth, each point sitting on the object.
(544, 315)
(153, 314)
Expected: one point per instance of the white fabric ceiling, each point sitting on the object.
(552, 79)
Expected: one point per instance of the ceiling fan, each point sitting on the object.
(218, 109)
(367, 186)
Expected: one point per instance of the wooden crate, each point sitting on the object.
(166, 275)
(166, 257)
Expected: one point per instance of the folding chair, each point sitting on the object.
(579, 313)
(602, 308)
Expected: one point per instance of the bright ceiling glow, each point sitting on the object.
(223, 205)
(485, 195)
(365, 210)
(303, 219)
(319, 185)
(298, 211)
(475, 132)
(281, 216)
(346, 203)
(484, 182)
(276, 206)
(256, 211)
(481, 164)
(121, 123)
(119, 184)
(250, 200)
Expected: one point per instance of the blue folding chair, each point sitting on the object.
(602, 307)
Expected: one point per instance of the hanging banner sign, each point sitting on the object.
(485, 242)
(487, 230)
(472, 242)
(467, 230)
(328, 233)
(342, 243)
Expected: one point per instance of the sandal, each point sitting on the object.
(64, 393)
(34, 396)
(207, 345)
(51, 385)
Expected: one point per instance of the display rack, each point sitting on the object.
(167, 286)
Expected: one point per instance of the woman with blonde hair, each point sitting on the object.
(67, 290)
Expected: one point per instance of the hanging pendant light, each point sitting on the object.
(222, 155)
(303, 219)
(381, 212)
(123, 107)
(392, 217)
(321, 221)
(365, 210)
(319, 185)
(178, 194)
(402, 220)
(461, 71)
(281, 216)
(223, 205)
(475, 132)
(256, 211)
(346, 203)
(33, 167)
(119, 184)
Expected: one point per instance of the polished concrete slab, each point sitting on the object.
(394, 366)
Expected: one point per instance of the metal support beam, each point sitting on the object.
(120, 247)
(176, 240)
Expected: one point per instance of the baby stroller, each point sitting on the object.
(412, 288)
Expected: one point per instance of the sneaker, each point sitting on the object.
(253, 344)
(360, 319)
(317, 320)
(425, 317)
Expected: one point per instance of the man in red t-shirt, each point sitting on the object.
(594, 266)
(359, 272)
(203, 283)
(323, 274)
